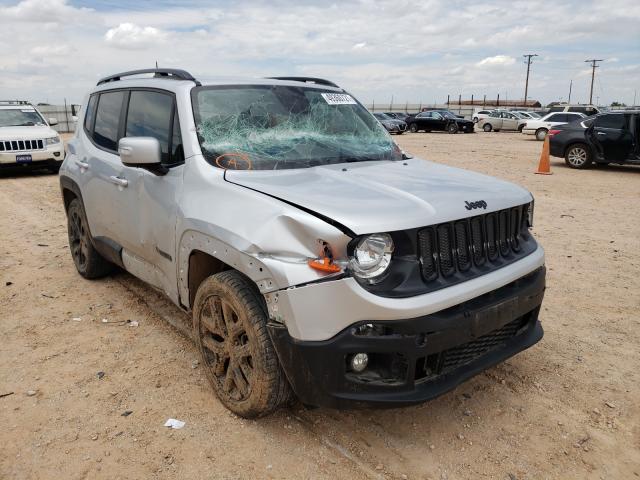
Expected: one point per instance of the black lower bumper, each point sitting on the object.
(414, 360)
(34, 165)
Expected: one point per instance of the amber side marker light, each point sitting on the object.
(324, 265)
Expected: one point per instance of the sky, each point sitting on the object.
(416, 51)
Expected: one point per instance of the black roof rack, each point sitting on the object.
(169, 73)
(319, 81)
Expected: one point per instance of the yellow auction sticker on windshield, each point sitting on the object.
(338, 99)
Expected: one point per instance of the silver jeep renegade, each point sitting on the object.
(314, 256)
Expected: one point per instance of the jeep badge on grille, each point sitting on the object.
(478, 204)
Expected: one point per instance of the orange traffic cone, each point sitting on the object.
(544, 167)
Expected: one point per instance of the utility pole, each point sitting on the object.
(594, 65)
(570, 86)
(526, 85)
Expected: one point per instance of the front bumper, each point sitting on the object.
(416, 359)
(467, 127)
(48, 157)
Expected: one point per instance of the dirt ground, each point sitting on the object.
(568, 408)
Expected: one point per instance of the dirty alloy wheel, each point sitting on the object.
(413, 128)
(486, 127)
(230, 326)
(89, 263)
(541, 133)
(452, 128)
(578, 156)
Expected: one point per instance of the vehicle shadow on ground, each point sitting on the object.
(23, 172)
(602, 168)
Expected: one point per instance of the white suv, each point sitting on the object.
(313, 256)
(26, 139)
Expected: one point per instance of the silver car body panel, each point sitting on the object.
(249, 220)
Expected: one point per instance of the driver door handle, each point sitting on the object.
(121, 182)
(82, 164)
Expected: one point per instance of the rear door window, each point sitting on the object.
(558, 117)
(615, 120)
(105, 132)
(149, 115)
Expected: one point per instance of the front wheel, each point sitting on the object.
(452, 128)
(486, 127)
(541, 134)
(578, 156)
(230, 326)
(413, 128)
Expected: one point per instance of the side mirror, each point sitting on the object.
(141, 152)
(53, 121)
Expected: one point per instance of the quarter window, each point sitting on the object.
(91, 112)
(177, 152)
(105, 133)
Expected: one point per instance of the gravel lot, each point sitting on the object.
(567, 408)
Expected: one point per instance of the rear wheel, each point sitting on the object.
(89, 263)
(452, 128)
(541, 134)
(487, 127)
(413, 128)
(578, 156)
(230, 326)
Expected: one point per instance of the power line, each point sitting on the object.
(526, 85)
(594, 65)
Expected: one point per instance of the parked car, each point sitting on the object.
(311, 254)
(393, 125)
(539, 128)
(586, 109)
(439, 120)
(612, 137)
(502, 120)
(27, 139)
(400, 115)
(479, 114)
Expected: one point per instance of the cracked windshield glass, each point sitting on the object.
(278, 127)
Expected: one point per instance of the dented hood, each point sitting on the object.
(384, 196)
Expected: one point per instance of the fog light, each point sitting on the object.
(359, 362)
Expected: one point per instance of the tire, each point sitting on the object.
(541, 134)
(476, 119)
(230, 327)
(487, 127)
(89, 263)
(452, 128)
(413, 128)
(578, 156)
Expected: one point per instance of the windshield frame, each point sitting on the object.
(197, 117)
(42, 123)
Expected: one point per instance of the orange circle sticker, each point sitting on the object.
(234, 161)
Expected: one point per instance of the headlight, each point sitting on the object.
(530, 214)
(372, 256)
(53, 140)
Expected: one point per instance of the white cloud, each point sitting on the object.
(360, 45)
(42, 11)
(496, 60)
(130, 35)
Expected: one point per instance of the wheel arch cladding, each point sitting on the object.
(70, 190)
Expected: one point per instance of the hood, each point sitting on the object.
(35, 132)
(384, 196)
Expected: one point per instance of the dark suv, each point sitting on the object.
(612, 137)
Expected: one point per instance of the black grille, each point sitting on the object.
(443, 362)
(469, 247)
(20, 145)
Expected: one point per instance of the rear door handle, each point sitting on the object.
(82, 164)
(121, 182)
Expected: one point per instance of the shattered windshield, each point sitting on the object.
(264, 127)
(20, 118)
